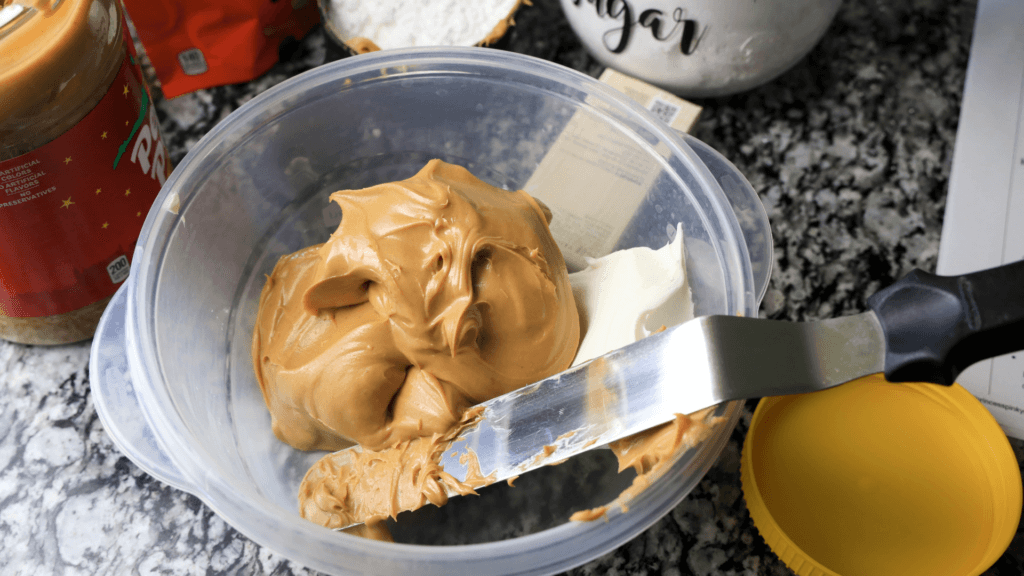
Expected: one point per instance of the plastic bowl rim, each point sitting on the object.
(144, 355)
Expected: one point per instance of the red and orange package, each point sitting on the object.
(195, 44)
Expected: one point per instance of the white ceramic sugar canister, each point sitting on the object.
(700, 48)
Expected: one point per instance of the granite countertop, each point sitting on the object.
(850, 152)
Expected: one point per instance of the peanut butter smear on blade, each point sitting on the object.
(369, 486)
(650, 452)
(435, 293)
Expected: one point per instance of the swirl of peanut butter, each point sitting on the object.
(435, 293)
(349, 487)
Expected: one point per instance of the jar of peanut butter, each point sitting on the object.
(81, 161)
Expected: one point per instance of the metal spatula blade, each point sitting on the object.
(697, 364)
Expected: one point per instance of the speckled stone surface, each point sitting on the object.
(850, 152)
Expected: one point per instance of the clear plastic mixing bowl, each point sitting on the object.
(172, 375)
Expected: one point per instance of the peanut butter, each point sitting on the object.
(56, 63)
(434, 294)
(347, 487)
(650, 453)
(57, 59)
(76, 125)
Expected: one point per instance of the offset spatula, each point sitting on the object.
(923, 328)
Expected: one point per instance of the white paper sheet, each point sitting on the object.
(984, 220)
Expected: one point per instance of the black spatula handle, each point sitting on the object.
(936, 326)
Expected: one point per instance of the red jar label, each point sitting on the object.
(71, 210)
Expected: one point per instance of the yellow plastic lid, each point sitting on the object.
(873, 478)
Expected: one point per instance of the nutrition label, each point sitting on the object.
(984, 220)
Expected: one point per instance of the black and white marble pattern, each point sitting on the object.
(850, 152)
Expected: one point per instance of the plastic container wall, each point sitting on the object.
(255, 189)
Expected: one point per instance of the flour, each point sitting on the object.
(404, 23)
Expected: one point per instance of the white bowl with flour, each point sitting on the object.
(700, 48)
